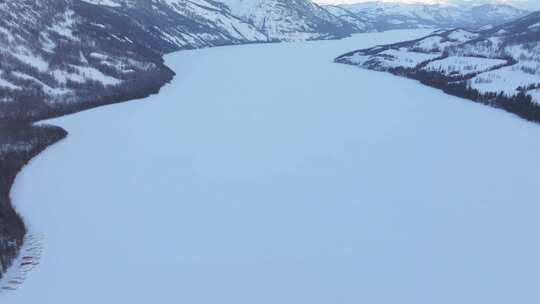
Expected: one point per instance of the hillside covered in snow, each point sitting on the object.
(61, 56)
(184, 24)
(498, 67)
(383, 16)
(291, 20)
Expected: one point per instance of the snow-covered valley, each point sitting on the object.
(270, 174)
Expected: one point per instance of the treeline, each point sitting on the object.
(18, 144)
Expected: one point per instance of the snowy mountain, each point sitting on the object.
(185, 24)
(56, 59)
(498, 67)
(291, 20)
(60, 56)
(388, 15)
(525, 4)
(359, 22)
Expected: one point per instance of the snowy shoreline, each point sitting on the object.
(20, 144)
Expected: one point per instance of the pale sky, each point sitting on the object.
(530, 4)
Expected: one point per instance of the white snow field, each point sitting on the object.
(268, 174)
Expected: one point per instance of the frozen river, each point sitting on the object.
(267, 174)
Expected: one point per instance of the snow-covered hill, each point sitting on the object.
(186, 24)
(291, 20)
(60, 56)
(390, 15)
(359, 22)
(498, 67)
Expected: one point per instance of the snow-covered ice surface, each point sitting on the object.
(269, 174)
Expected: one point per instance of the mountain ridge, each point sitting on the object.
(389, 16)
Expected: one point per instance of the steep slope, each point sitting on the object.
(498, 67)
(185, 24)
(359, 23)
(291, 20)
(56, 60)
(387, 15)
(61, 56)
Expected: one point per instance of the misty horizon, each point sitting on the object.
(526, 4)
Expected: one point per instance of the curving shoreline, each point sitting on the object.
(20, 144)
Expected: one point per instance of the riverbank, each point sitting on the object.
(18, 145)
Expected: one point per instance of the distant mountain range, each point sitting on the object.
(524, 4)
(499, 67)
(382, 16)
